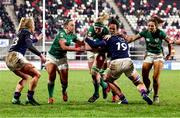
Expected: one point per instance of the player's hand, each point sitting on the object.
(113, 67)
(171, 41)
(80, 49)
(40, 37)
(168, 57)
(107, 37)
(43, 59)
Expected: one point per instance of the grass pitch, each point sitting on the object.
(80, 89)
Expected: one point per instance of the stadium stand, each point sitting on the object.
(136, 12)
(7, 28)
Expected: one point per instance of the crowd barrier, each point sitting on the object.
(83, 65)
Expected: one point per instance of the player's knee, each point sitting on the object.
(110, 80)
(145, 76)
(38, 74)
(52, 77)
(155, 81)
(64, 81)
(94, 70)
(135, 79)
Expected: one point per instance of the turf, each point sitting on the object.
(80, 89)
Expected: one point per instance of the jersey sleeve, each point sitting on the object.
(90, 31)
(95, 44)
(34, 40)
(142, 34)
(60, 35)
(34, 50)
(74, 38)
(162, 34)
(28, 40)
(106, 31)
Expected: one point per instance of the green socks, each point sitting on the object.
(50, 89)
(96, 89)
(103, 83)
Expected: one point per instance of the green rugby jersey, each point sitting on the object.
(56, 49)
(91, 33)
(153, 40)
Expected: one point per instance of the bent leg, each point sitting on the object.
(135, 78)
(34, 73)
(19, 87)
(22, 82)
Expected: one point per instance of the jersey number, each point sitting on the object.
(122, 46)
(15, 41)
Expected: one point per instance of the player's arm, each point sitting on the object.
(36, 52)
(132, 38)
(40, 37)
(63, 45)
(95, 44)
(37, 38)
(168, 40)
(177, 42)
(80, 43)
(30, 46)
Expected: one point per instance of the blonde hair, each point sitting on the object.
(27, 23)
(102, 18)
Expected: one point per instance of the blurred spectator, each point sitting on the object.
(7, 29)
(137, 12)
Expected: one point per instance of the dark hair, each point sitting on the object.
(157, 20)
(67, 21)
(153, 20)
(115, 21)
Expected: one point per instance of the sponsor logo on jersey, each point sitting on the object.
(148, 39)
(62, 34)
(31, 36)
(156, 40)
(89, 34)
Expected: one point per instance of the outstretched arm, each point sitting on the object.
(80, 43)
(68, 48)
(36, 39)
(132, 38)
(95, 44)
(177, 42)
(35, 51)
(168, 40)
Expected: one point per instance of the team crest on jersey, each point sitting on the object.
(156, 40)
(31, 36)
(61, 34)
(89, 34)
(148, 39)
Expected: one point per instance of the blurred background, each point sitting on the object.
(133, 15)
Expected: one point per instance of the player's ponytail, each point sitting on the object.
(102, 18)
(26, 23)
(158, 19)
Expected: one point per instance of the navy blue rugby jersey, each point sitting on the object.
(117, 47)
(22, 42)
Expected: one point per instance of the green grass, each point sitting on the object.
(80, 89)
